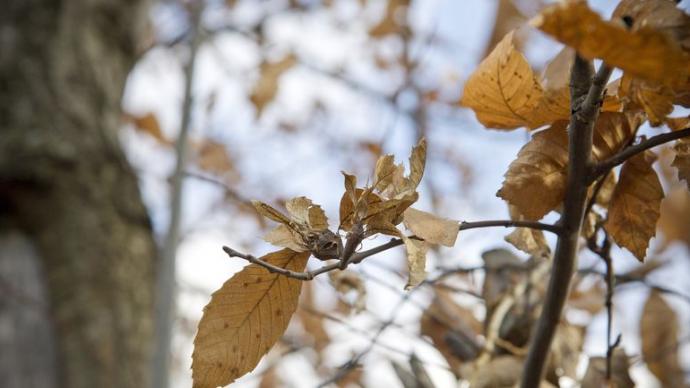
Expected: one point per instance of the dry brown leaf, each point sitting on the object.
(682, 160)
(500, 277)
(285, 237)
(659, 335)
(590, 299)
(213, 157)
(595, 377)
(383, 172)
(565, 352)
(349, 214)
(269, 212)
(346, 282)
(655, 99)
(635, 206)
(500, 372)
(504, 91)
(528, 240)
(416, 261)
(535, 181)
(266, 88)
(312, 321)
(662, 15)
(148, 123)
(645, 52)
(430, 228)
(678, 123)
(244, 318)
(303, 211)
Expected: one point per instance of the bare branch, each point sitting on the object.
(556, 229)
(606, 165)
(586, 97)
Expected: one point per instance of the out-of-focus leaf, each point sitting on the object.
(682, 160)
(565, 352)
(244, 318)
(430, 228)
(645, 52)
(590, 299)
(508, 18)
(502, 371)
(453, 329)
(266, 88)
(393, 21)
(595, 377)
(659, 334)
(500, 276)
(312, 321)
(635, 206)
(655, 99)
(346, 282)
(675, 213)
(213, 157)
(148, 123)
(416, 261)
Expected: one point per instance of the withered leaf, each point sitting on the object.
(266, 88)
(430, 228)
(659, 334)
(508, 18)
(635, 206)
(285, 237)
(682, 160)
(269, 212)
(503, 91)
(244, 318)
(528, 240)
(148, 123)
(655, 99)
(416, 261)
(213, 157)
(645, 52)
(595, 377)
(305, 212)
(393, 21)
(502, 371)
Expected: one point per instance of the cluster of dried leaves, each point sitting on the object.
(647, 40)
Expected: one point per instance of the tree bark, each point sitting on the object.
(65, 183)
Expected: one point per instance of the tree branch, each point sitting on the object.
(606, 165)
(586, 97)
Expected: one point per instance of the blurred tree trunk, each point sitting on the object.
(77, 254)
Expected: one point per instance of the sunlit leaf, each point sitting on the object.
(244, 318)
(416, 261)
(430, 228)
(635, 206)
(645, 52)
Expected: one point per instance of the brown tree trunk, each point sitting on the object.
(71, 216)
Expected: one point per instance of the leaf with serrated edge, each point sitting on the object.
(659, 335)
(645, 52)
(635, 205)
(416, 261)
(432, 229)
(244, 319)
(503, 91)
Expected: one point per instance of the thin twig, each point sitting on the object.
(165, 282)
(586, 97)
(606, 165)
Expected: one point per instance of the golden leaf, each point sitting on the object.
(535, 181)
(304, 212)
(655, 99)
(508, 18)
(682, 159)
(675, 213)
(503, 91)
(244, 319)
(266, 88)
(417, 164)
(393, 20)
(635, 206)
(645, 52)
(383, 173)
(348, 214)
(416, 261)
(430, 228)
(659, 335)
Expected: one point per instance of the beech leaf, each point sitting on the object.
(635, 205)
(416, 261)
(503, 91)
(430, 228)
(645, 52)
(659, 335)
(682, 160)
(266, 88)
(244, 319)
